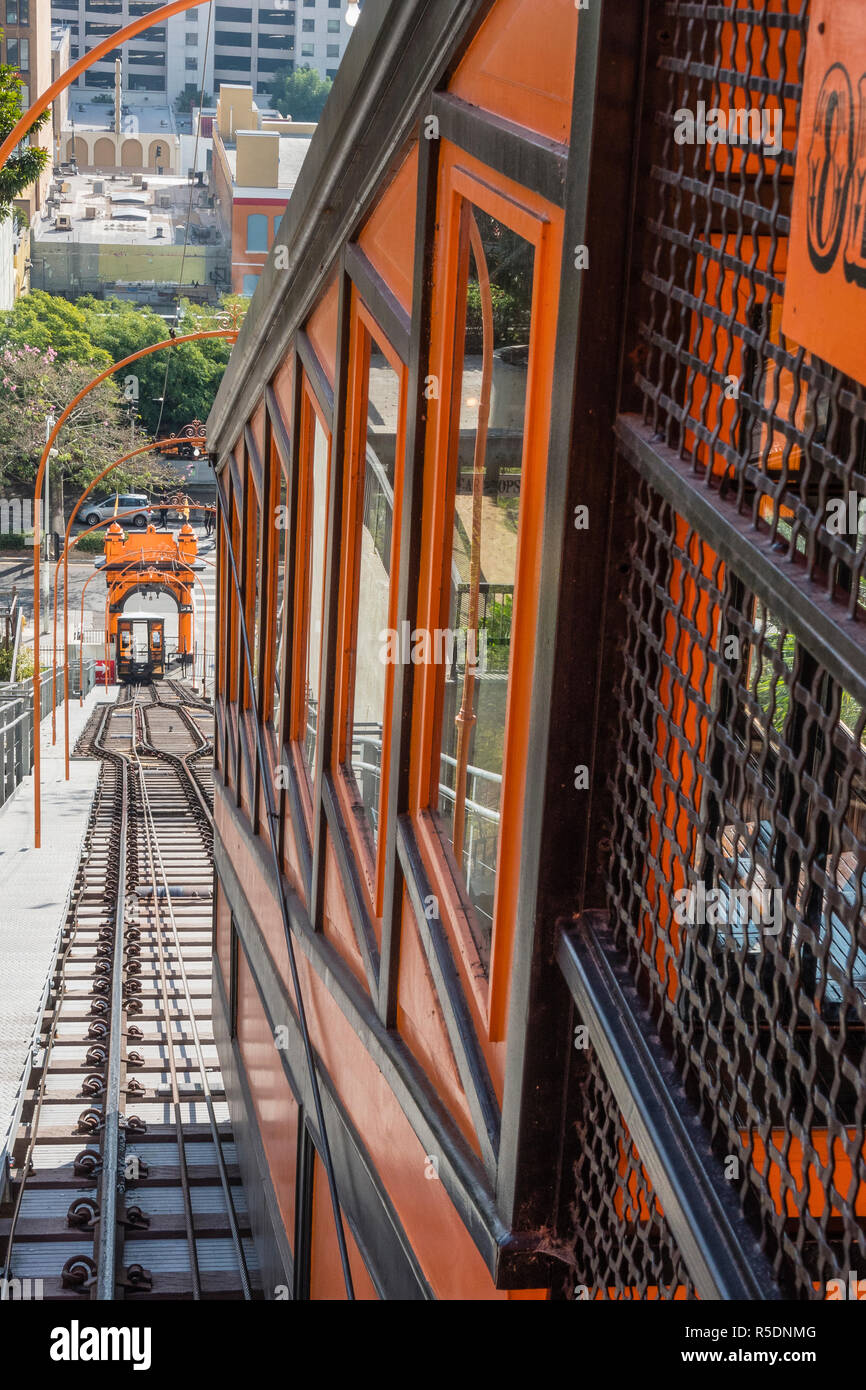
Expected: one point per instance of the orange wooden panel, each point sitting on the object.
(337, 921)
(257, 426)
(326, 1271)
(419, 1022)
(321, 329)
(275, 1107)
(223, 936)
(521, 64)
(388, 235)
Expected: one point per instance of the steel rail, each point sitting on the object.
(26, 1167)
(105, 1242)
(149, 839)
(155, 858)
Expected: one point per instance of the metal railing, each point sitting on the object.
(16, 720)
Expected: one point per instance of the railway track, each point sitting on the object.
(123, 1173)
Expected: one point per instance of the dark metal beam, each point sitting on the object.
(531, 160)
(700, 1207)
(380, 299)
(836, 641)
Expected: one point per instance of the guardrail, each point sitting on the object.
(16, 720)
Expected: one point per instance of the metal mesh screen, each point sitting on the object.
(737, 888)
(623, 1247)
(757, 416)
(738, 871)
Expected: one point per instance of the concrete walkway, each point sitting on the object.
(35, 885)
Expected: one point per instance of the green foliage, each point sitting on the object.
(194, 370)
(301, 93)
(26, 164)
(49, 322)
(16, 540)
(191, 96)
(92, 544)
(23, 667)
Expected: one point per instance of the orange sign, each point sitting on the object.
(825, 288)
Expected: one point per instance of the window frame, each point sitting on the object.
(309, 412)
(365, 332)
(464, 178)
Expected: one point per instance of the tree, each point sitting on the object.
(26, 164)
(175, 386)
(191, 96)
(44, 321)
(300, 93)
(36, 384)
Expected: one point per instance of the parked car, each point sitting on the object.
(135, 507)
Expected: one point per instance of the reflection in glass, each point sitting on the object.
(279, 625)
(373, 584)
(488, 417)
(316, 514)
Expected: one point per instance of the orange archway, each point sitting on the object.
(151, 562)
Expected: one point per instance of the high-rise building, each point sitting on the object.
(245, 43)
(26, 45)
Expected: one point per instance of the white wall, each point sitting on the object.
(7, 264)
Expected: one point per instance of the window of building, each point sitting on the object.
(233, 14)
(192, 39)
(18, 11)
(145, 57)
(99, 31)
(281, 42)
(333, 26)
(111, 7)
(478, 615)
(233, 38)
(280, 17)
(307, 50)
(331, 72)
(236, 63)
(493, 356)
(25, 97)
(140, 82)
(249, 286)
(333, 50)
(99, 79)
(315, 448)
(277, 606)
(308, 26)
(257, 231)
(18, 53)
(274, 64)
(374, 472)
(191, 64)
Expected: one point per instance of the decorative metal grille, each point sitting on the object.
(624, 1249)
(794, 437)
(738, 871)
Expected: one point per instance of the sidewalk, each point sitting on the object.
(35, 885)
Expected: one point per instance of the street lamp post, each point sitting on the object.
(229, 333)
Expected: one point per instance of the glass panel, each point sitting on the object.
(316, 515)
(257, 232)
(488, 439)
(373, 586)
(279, 626)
